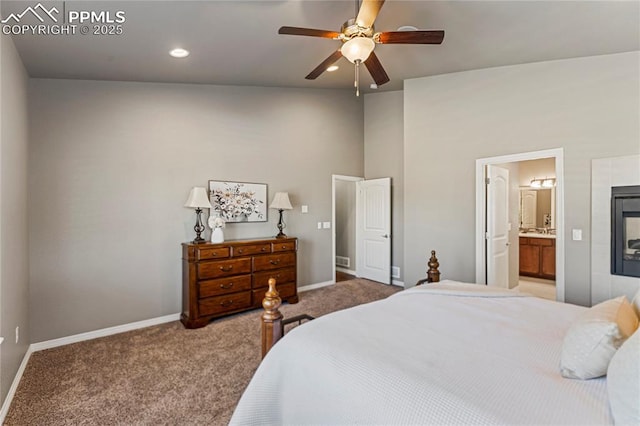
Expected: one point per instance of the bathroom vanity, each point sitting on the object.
(538, 255)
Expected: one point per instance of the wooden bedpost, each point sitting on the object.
(271, 318)
(433, 274)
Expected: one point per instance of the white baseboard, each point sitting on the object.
(48, 344)
(345, 270)
(314, 286)
(398, 283)
(14, 385)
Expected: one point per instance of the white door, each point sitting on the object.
(498, 227)
(373, 230)
(528, 208)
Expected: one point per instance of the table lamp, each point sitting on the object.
(281, 202)
(198, 199)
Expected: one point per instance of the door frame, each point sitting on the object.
(481, 197)
(334, 178)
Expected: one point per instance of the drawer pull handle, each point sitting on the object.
(274, 262)
(263, 249)
(226, 286)
(226, 269)
(239, 251)
(226, 303)
(284, 247)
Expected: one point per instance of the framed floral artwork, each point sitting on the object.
(238, 201)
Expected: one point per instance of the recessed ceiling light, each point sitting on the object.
(332, 68)
(179, 53)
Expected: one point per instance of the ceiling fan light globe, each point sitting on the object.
(357, 49)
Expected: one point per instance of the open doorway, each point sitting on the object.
(344, 228)
(519, 222)
(361, 238)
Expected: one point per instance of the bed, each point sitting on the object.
(444, 353)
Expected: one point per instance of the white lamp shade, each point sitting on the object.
(198, 198)
(281, 201)
(357, 49)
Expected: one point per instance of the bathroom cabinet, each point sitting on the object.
(538, 257)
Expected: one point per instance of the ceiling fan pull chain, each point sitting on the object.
(357, 79)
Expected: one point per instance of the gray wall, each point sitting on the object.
(588, 106)
(112, 164)
(14, 260)
(346, 220)
(383, 157)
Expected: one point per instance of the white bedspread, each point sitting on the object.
(429, 355)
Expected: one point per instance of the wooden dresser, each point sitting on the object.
(225, 278)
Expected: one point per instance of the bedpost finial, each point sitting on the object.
(272, 300)
(433, 274)
(271, 319)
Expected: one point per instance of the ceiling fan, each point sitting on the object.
(359, 38)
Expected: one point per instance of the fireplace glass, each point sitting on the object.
(625, 231)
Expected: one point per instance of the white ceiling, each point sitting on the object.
(236, 42)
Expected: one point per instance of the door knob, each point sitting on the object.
(385, 236)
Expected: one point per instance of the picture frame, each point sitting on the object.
(238, 202)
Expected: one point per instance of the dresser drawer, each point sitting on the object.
(224, 268)
(285, 291)
(226, 303)
(249, 250)
(261, 279)
(224, 285)
(284, 246)
(274, 261)
(213, 253)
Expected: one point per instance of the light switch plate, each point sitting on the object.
(326, 225)
(305, 209)
(576, 234)
(319, 225)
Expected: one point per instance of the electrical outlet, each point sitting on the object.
(17, 334)
(326, 225)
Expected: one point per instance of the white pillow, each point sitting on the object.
(594, 337)
(623, 382)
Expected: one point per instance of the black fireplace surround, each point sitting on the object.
(625, 230)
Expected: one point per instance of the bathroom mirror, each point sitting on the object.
(537, 208)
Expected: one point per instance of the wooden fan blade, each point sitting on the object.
(368, 13)
(308, 32)
(411, 37)
(324, 65)
(376, 70)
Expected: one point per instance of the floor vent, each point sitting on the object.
(395, 272)
(345, 262)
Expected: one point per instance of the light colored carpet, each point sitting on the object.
(164, 374)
